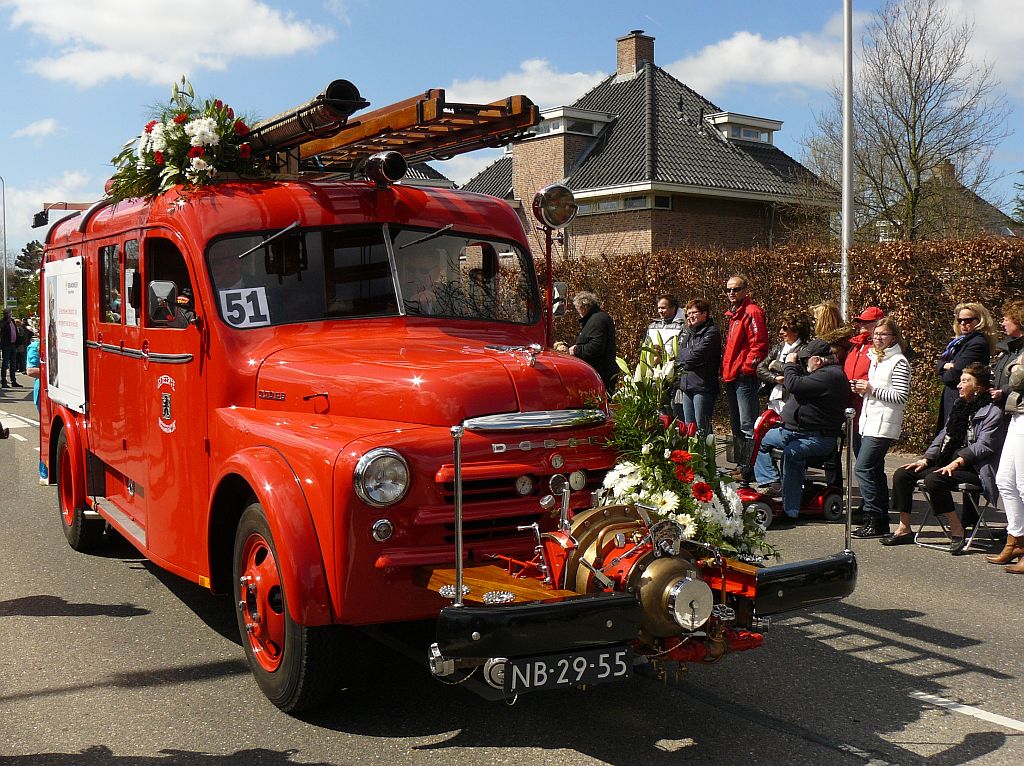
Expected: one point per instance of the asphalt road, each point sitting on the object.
(105, 659)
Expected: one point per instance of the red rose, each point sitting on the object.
(158, 158)
(218, 104)
(702, 492)
(681, 456)
(150, 125)
(231, 113)
(181, 119)
(196, 151)
(244, 151)
(691, 429)
(684, 474)
(241, 128)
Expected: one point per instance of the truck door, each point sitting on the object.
(172, 404)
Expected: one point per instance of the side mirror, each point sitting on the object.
(161, 302)
(559, 291)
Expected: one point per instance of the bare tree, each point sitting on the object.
(923, 109)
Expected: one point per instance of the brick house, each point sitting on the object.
(655, 165)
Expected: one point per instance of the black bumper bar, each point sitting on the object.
(523, 630)
(802, 584)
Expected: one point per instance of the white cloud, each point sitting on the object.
(535, 78)
(463, 167)
(23, 203)
(108, 39)
(37, 129)
(748, 58)
(998, 38)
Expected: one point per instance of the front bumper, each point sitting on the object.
(804, 584)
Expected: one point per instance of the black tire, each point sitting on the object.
(83, 534)
(832, 508)
(297, 667)
(763, 513)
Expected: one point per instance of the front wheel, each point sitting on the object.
(82, 533)
(832, 508)
(296, 666)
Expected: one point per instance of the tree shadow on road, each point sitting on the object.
(101, 755)
(55, 606)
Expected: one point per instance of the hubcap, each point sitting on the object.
(261, 601)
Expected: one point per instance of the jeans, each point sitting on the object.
(1010, 476)
(796, 447)
(870, 470)
(696, 408)
(743, 404)
(9, 356)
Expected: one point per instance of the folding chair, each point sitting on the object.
(972, 494)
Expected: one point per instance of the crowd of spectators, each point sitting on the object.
(817, 368)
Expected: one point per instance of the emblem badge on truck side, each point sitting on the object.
(166, 422)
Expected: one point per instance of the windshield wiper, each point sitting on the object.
(271, 238)
(427, 237)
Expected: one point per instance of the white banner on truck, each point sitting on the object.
(64, 325)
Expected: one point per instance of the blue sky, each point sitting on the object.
(77, 78)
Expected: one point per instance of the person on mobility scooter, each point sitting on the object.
(811, 428)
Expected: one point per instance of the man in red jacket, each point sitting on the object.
(746, 344)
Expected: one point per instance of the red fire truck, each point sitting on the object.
(333, 396)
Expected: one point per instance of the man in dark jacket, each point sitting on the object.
(812, 421)
(8, 349)
(596, 342)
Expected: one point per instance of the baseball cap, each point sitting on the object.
(814, 347)
(871, 314)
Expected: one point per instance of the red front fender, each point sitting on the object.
(298, 547)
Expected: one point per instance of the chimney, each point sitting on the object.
(945, 171)
(634, 51)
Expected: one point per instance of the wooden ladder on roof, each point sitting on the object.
(421, 128)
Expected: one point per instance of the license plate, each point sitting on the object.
(552, 671)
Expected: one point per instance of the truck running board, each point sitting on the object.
(124, 524)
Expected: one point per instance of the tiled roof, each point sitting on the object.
(495, 179)
(660, 136)
(422, 171)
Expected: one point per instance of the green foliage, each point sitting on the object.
(184, 144)
(917, 283)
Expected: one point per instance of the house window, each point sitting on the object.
(580, 126)
(607, 205)
(586, 208)
(662, 202)
(636, 203)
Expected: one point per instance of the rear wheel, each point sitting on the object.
(763, 513)
(832, 508)
(82, 533)
(296, 666)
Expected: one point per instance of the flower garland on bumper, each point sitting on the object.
(185, 144)
(665, 465)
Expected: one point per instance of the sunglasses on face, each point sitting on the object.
(966, 320)
(735, 289)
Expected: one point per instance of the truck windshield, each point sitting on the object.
(310, 275)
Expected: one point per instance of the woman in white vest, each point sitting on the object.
(885, 391)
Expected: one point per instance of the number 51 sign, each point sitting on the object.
(245, 307)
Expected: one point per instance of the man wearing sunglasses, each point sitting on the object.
(746, 344)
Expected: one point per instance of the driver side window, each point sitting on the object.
(165, 263)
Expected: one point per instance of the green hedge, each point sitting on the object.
(917, 283)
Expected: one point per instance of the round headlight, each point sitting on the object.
(381, 477)
(689, 602)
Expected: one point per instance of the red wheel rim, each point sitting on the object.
(261, 601)
(67, 487)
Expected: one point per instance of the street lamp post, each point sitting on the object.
(3, 220)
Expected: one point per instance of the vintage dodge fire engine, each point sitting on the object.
(333, 396)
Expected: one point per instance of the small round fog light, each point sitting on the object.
(382, 530)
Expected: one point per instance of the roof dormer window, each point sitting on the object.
(743, 127)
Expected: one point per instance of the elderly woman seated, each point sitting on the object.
(966, 450)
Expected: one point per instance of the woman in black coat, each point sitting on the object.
(973, 341)
(697, 365)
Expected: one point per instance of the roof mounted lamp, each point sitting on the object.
(384, 168)
(555, 207)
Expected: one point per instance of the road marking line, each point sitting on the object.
(22, 421)
(19, 437)
(1009, 723)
